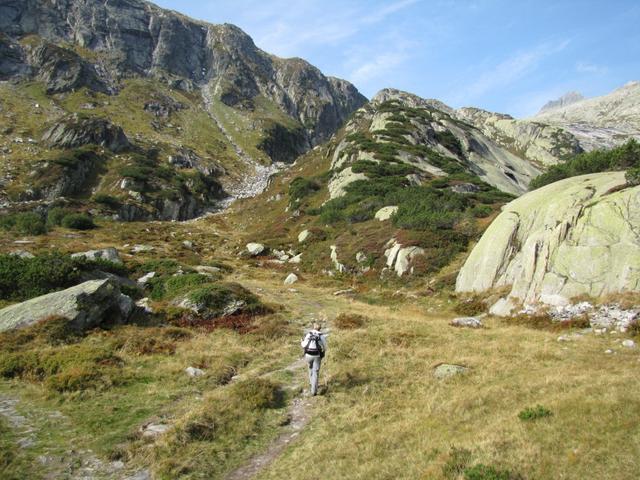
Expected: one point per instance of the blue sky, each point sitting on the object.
(508, 56)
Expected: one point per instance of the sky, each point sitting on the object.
(508, 56)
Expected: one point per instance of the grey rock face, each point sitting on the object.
(63, 70)
(136, 37)
(76, 131)
(13, 63)
(85, 305)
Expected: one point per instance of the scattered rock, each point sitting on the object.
(86, 306)
(142, 248)
(296, 258)
(255, 249)
(334, 258)
(400, 258)
(348, 291)
(194, 372)
(22, 254)
(446, 370)
(304, 235)
(109, 254)
(469, 322)
(609, 351)
(628, 343)
(146, 277)
(385, 213)
(361, 257)
(188, 244)
(465, 188)
(154, 430)
(291, 279)
(145, 304)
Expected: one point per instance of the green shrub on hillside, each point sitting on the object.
(624, 157)
(28, 223)
(107, 200)
(633, 176)
(24, 278)
(301, 187)
(78, 221)
(486, 472)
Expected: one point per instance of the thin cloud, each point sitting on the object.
(510, 70)
(590, 68)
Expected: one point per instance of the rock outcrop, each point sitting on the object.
(134, 37)
(76, 131)
(85, 306)
(427, 136)
(577, 236)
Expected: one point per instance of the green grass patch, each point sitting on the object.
(534, 413)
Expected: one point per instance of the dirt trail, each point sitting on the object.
(299, 415)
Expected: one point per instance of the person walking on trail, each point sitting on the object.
(314, 344)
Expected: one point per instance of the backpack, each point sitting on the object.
(317, 350)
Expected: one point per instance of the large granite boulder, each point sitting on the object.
(86, 306)
(577, 236)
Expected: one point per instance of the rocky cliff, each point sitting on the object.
(573, 237)
(191, 99)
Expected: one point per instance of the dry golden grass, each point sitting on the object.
(385, 416)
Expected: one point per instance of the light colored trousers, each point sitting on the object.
(313, 361)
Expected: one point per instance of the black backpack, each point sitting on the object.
(317, 350)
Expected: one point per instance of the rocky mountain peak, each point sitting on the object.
(566, 99)
(409, 99)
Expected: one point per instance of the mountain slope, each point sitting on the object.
(203, 109)
(600, 122)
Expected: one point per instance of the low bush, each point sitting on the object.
(486, 472)
(24, 278)
(457, 462)
(534, 413)
(78, 221)
(348, 321)
(470, 307)
(257, 393)
(213, 299)
(56, 215)
(301, 187)
(27, 223)
(624, 157)
(107, 200)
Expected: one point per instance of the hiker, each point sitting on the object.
(314, 344)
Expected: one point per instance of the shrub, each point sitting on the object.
(181, 283)
(137, 172)
(481, 211)
(633, 176)
(107, 200)
(215, 297)
(485, 472)
(257, 393)
(350, 320)
(56, 215)
(27, 223)
(78, 221)
(534, 413)
(624, 157)
(457, 461)
(470, 307)
(301, 187)
(79, 379)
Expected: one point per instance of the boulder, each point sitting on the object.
(304, 235)
(338, 184)
(86, 306)
(291, 279)
(142, 249)
(400, 258)
(143, 280)
(109, 254)
(334, 258)
(385, 213)
(446, 370)
(574, 237)
(361, 257)
(296, 258)
(194, 372)
(468, 322)
(628, 343)
(255, 249)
